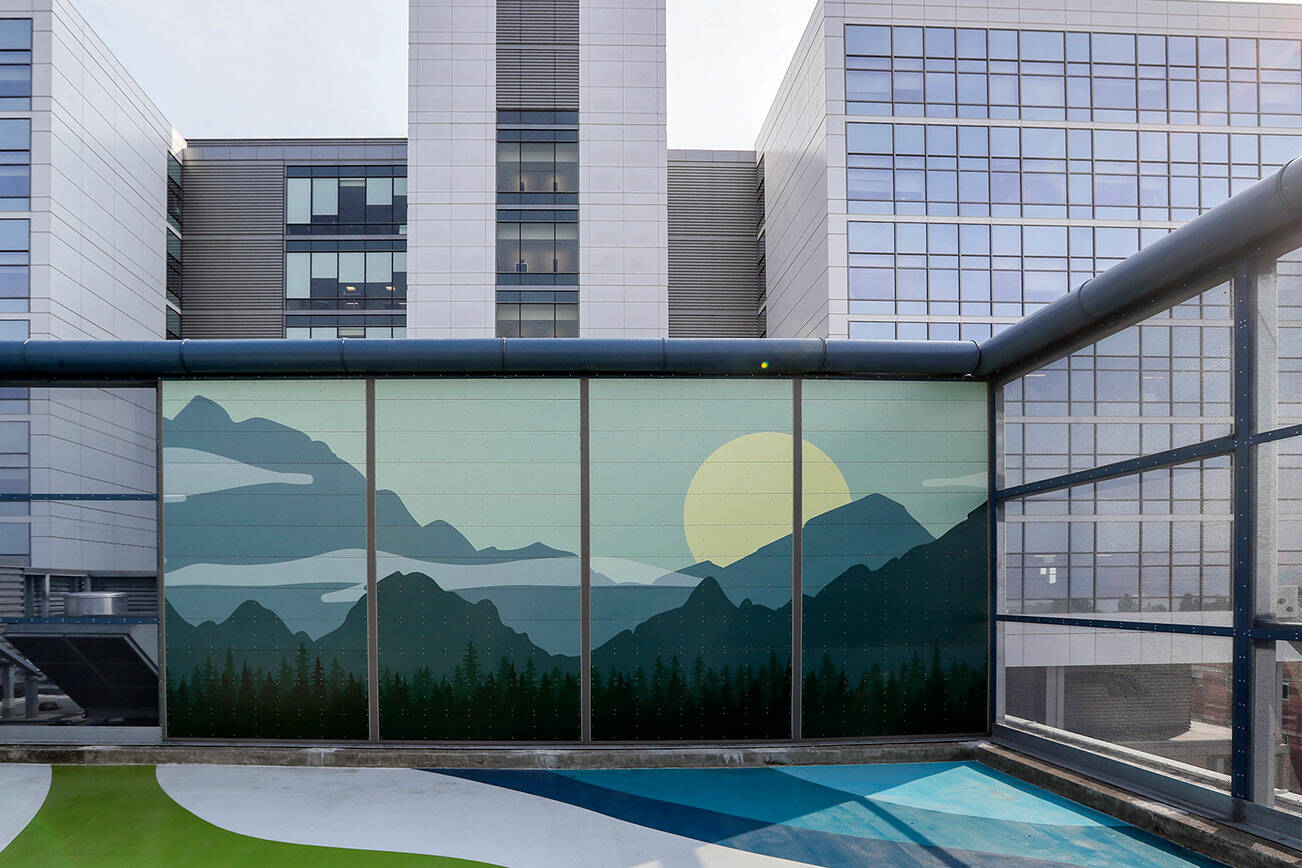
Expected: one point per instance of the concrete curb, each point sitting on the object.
(1216, 840)
(588, 757)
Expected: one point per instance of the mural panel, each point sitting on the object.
(477, 516)
(691, 508)
(894, 574)
(265, 546)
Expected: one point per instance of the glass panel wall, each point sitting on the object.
(477, 519)
(944, 72)
(1155, 386)
(479, 539)
(265, 547)
(894, 494)
(1139, 546)
(691, 558)
(1158, 694)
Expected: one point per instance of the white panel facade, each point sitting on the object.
(99, 195)
(798, 181)
(99, 189)
(452, 158)
(623, 158)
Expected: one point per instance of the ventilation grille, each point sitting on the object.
(538, 22)
(537, 78)
(538, 54)
(714, 282)
(233, 257)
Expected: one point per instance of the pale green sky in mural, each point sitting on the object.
(332, 411)
(498, 459)
(921, 444)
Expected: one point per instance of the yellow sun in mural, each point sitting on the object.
(740, 497)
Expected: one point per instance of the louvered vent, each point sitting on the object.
(538, 54)
(234, 252)
(714, 283)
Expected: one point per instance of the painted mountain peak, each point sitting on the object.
(870, 531)
(335, 498)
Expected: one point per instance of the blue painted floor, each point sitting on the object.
(942, 814)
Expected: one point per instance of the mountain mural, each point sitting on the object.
(869, 531)
(336, 496)
(913, 629)
(267, 634)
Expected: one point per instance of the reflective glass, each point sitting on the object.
(1164, 696)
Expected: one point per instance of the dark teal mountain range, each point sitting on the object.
(935, 594)
(282, 521)
(869, 532)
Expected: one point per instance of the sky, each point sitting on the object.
(249, 68)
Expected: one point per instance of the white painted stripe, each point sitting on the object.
(25, 788)
(409, 811)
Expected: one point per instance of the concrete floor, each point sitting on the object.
(932, 814)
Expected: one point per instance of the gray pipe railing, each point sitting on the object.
(149, 360)
(1161, 275)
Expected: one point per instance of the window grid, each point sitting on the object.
(1102, 77)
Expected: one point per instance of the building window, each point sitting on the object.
(346, 200)
(537, 251)
(537, 223)
(946, 72)
(539, 167)
(1003, 171)
(15, 164)
(345, 288)
(15, 64)
(15, 276)
(537, 314)
(340, 287)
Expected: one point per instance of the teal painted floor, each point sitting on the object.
(949, 815)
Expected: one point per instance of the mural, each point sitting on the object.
(478, 537)
(895, 588)
(264, 528)
(691, 554)
(478, 540)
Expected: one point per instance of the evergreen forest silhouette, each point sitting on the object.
(309, 699)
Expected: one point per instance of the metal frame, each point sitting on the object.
(1250, 796)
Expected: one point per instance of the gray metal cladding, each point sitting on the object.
(714, 280)
(233, 255)
(538, 54)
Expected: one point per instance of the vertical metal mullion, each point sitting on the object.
(372, 578)
(994, 513)
(797, 552)
(158, 543)
(1242, 783)
(585, 570)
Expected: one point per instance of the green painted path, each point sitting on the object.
(118, 817)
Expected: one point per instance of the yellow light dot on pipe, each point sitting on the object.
(764, 364)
